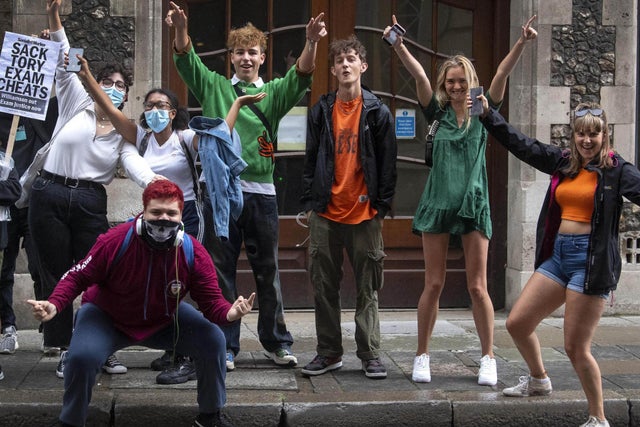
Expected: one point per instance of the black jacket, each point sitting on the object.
(604, 264)
(378, 151)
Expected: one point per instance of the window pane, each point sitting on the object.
(290, 12)
(254, 11)
(287, 46)
(454, 30)
(206, 23)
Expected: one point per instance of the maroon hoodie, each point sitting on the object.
(138, 291)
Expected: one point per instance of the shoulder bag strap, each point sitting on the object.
(261, 116)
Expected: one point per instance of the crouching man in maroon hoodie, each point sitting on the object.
(140, 272)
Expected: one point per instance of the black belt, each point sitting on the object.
(69, 182)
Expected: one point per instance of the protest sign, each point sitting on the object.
(27, 69)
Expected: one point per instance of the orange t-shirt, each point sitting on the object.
(575, 196)
(349, 202)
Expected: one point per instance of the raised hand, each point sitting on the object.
(251, 99)
(316, 28)
(529, 33)
(387, 30)
(176, 16)
(53, 6)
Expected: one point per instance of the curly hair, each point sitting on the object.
(247, 36)
(345, 45)
(111, 68)
(180, 121)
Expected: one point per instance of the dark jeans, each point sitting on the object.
(65, 223)
(17, 229)
(95, 338)
(258, 228)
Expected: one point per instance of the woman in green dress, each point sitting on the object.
(456, 196)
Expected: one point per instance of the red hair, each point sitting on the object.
(163, 189)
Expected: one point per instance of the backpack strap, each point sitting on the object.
(144, 144)
(192, 166)
(124, 245)
(187, 248)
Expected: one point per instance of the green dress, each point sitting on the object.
(455, 199)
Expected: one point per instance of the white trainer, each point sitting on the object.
(488, 374)
(529, 387)
(594, 422)
(421, 370)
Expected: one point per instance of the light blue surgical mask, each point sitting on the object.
(116, 96)
(157, 120)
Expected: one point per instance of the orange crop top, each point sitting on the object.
(575, 196)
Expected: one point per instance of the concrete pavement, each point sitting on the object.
(261, 394)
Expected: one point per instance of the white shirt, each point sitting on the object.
(76, 151)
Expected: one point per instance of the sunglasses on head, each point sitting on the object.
(593, 111)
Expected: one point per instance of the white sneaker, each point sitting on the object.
(421, 370)
(488, 374)
(529, 386)
(594, 422)
(282, 357)
(9, 340)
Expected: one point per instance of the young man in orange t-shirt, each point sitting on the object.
(349, 182)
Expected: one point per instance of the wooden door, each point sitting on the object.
(435, 29)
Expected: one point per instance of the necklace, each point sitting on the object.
(103, 122)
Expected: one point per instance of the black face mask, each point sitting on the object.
(160, 233)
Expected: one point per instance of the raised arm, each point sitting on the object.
(123, 125)
(53, 14)
(232, 115)
(499, 82)
(423, 86)
(177, 19)
(316, 29)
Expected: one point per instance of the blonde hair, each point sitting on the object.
(469, 73)
(247, 36)
(587, 124)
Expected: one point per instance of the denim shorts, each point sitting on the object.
(567, 265)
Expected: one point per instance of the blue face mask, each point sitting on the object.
(157, 120)
(115, 95)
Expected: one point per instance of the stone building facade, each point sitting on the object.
(586, 50)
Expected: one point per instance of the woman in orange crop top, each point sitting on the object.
(577, 256)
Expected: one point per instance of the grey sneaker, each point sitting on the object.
(373, 368)
(282, 357)
(322, 364)
(529, 387)
(9, 340)
(113, 366)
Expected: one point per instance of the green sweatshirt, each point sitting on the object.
(216, 94)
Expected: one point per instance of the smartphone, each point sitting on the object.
(396, 31)
(476, 104)
(74, 63)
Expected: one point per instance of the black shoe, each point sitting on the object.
(1, 373)
(217, 420)
(163, 362)
(183, 371)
